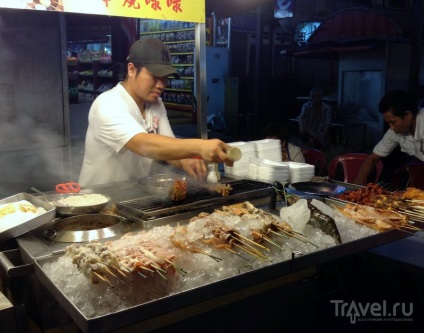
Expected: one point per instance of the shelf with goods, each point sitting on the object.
(180, 39)
(90, 73)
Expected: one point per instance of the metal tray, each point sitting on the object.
(20, 228)
(211, 294)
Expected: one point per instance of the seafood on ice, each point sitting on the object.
(206, 230)
(119, 260)
(240, 228)
(376, 218)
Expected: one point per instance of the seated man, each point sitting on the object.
(406, 130)
(315, 120)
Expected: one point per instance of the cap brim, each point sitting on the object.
(162, 70)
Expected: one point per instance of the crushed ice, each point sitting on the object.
(100, 299)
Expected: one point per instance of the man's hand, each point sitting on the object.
(195, 168)
(215, 151)
(366, 169)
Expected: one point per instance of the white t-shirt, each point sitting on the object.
(115, 118)
(411, 145)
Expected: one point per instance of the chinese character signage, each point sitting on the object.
(283, 8)
(176, 10)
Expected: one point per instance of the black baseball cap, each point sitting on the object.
(153, 54)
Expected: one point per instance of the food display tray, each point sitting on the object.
(19, 228)
(212, 294)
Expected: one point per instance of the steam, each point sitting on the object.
(33, 155)
(33, 148)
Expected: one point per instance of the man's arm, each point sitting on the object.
(302, 130)
(366, 168)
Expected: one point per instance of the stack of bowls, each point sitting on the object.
(268, 171)
(301, 172)
(268, 149)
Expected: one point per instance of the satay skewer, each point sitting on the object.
(265, 238)
(104, 279)
(179, 269)
(116, 269)
(270, 241)
(161, 275)
(278, 234)
(232, 251)
(251, 241)
(297, 236)
(248, 245)
(259, 256)
(413, 214)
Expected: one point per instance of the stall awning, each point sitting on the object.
(354, 29)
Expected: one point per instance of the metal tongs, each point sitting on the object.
(70, 187)
(279, 189)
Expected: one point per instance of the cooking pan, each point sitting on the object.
(86, 227)
(64, 209)
(315, 188)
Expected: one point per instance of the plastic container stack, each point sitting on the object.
(240, 168)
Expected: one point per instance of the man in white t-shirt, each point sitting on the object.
(129, 128)
(400, 111)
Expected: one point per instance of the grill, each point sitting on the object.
(162, 210)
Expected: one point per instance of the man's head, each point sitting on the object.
(316, 96)
(399, 109)
(276, 131)
(152, 54)
(149, 65)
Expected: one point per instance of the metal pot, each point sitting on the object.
(84, 228)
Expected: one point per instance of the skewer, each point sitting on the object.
(232, 251)
(197, 250)
(147, 269)
(412, 227)
(259, 256)
(161, 275)
(157, 267)
(278, 234)
(247, 245)
(415, 200)
(115, 268)
(179, 269)
(104, 279)
(251, 241)
(412, 213)
(217, 259)
(142, 275)
(115, 276)
(297, 236)
(124, 275)
(270, 241)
